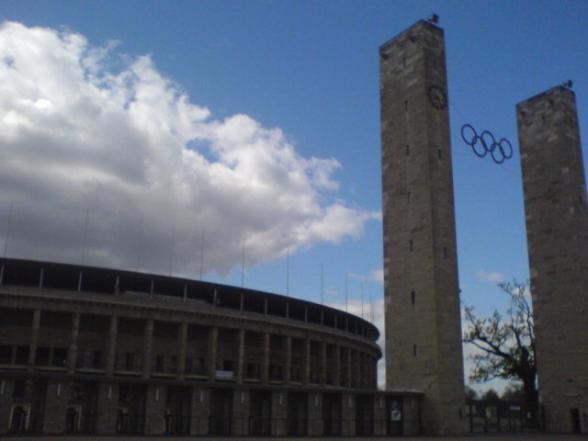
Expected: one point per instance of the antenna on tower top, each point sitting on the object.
(568, 84)
(434, 18)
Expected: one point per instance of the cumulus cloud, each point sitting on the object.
(106, 160)
(492, 277)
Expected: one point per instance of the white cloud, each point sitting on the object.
(155, 172)
(492, 277)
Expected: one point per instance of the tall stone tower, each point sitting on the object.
(557, 240)
(423, 330)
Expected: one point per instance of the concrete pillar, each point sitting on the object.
(411, 416)
(279, 413)
(6, 388)
(348, 415)
(315, 414)
(323, 366)
(337, 368)
(266, 359)
(34, 338)
(241, 411)
(55, 407)
(112, 336)
(199, 411)
(212, 348)
(306, 378)
(73, 347)
(380, 424)
(107, 408)
(148, 346)
(183, 335)
(155, 403)
(288, 372)
(240, 355)
(349, 367)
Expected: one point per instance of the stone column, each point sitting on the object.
(240, 355)
(55, 407)
(154, 409)
(279, 413)
(34, 338)
(212, 348)
(288, 373)
(6, 390)
(337, 369)
(73, 347)
(183, 335)
(199, 411)
(323, 366)
(241, 411)
(112, 336)
(380, 424)
(306, 378)
(266, 358)
(148, 346)
(348, 415)
(107, 408)
(350, 369)
(315, 414)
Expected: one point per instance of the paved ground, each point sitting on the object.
(494, 437)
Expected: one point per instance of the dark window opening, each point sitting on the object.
(414, 350)
(444, 252)
(19, 389)
(129, 361)
(22, 355)
(253, 370)
(42, 358)
(97, 359)
(80, 358)
(407, 150)
(5, 354)
(410, 245)
(412, 297)
(59, 357)
(159, 363)
(439, 153)
(405, 106)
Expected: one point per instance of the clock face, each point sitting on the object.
(437, 97)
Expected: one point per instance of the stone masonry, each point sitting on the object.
(423, 332)
(557, 240)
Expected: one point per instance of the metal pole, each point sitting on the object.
(362, 299)
(346, 292)
(288, 272)
(8, 228)
(85, 234)
(201, 254)
(242, 264)
(172, 250)
(322, 286)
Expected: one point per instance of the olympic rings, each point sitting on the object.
(485, 143)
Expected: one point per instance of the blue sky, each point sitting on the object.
(310, 68)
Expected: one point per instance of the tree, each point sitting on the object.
(506, 343)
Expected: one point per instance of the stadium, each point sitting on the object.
(103, 351)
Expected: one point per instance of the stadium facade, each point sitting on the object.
(102, 351)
